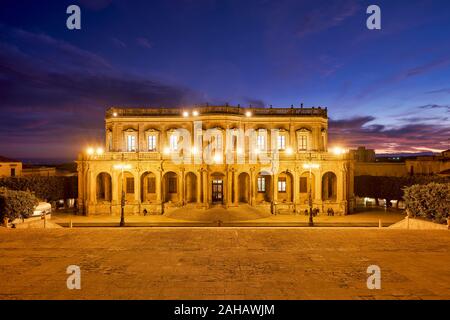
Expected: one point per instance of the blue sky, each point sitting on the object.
(387, 89)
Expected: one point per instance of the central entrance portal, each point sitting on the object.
(217, 190)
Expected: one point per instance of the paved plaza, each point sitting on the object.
(224, 263)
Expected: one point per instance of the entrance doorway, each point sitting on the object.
(217, 190)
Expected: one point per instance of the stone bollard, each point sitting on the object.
(379, 223)
(70, 224)
(5, 222)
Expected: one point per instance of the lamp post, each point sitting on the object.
(310, 166)
(122, 167)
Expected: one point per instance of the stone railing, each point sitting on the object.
(130, 156)
(204, 110)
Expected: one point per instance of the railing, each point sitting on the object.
(202, 110)
(129, 156)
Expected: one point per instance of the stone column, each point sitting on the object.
(340, 184)
(115, 187)
(199, 186)
(236, 187)
(181, 187)
(296, 188)
(252, 186)
(275, 187)
(158, 186)
(137, 187)
(205, 187)
(92, 185)
(229, 188)
(318, 193)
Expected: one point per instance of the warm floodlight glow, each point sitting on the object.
(248, 114)
(195, 113)
(185, 114)
(90, 151)
(99, 151)
(311, 166)
(115, 114)
(256, 151)
(338, 150)
(217, 158)
(289, 150)
(239, 151)
(122, 166)
(194, 150)
(166, 150)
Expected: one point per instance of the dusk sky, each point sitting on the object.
(386, 89)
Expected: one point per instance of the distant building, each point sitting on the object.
(10, 167)
(404, 166)
(363, 155)
(437, 164)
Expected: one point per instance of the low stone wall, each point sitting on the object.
(35, 223)
(418, 224)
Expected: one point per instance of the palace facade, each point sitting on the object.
(273, 159)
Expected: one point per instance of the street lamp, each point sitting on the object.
(310, 166)
(122, 167)
(338, 151)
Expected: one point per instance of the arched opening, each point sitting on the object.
(243, 187)
(191, 187)
(218, 185)
(285, 184)
(148, 187)
(103, 187)
(307, 183)
(170, 187)
(126, 183)
(264, 187)
(329, 187)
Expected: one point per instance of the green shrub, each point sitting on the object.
(431, 201)
(16, 204)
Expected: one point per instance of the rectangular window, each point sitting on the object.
(219, 143)
(13, 172)
(261, 184)
(303, 142)
(131, 143)
(172, 185)
(261, 142)
(130, 185)
(152, 143)
(303, 185)
(281, 184)
(151, 185)
(173, 141)
(234, 143)
(281, 142)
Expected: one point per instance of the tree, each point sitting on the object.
(431, 201)
(391, 188)
(46, 188)
(16, 204)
